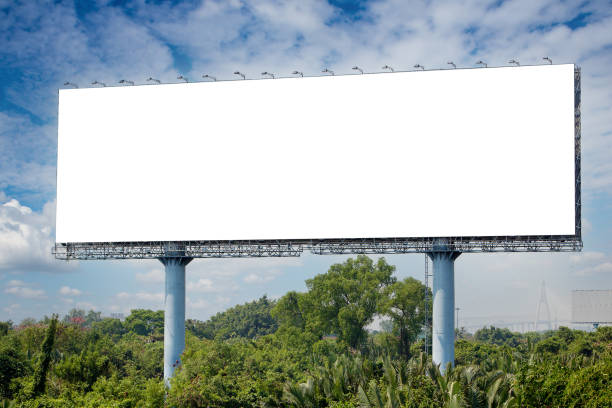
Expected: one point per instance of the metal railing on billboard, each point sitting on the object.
(286, 248)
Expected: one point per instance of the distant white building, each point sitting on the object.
(119, 316)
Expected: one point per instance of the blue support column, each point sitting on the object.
(174, 314)
(443, 330)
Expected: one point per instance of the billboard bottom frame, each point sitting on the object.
(294, 248)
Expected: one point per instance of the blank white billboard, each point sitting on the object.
(592, 306)
(474, 152)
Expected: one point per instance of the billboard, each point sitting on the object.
(592, 306)
(451, 153)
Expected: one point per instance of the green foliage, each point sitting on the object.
(111, 327)
(404, 303)
(40, 374)
(290, 310)
(499, 337)
(249, 320)
(345, 299)
(84, 368)
(284, 353)
(12, 365)
(5, 327)
(145, 322)
(590, 386)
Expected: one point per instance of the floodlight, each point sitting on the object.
(419, 66)
(481, 62)
(328, 71)
(98, 83)
(149, 79)
(208, 76)
(70, 84)
(356, 68)
(388, 67)
(547, 59)
(240, 73)
(271, 75)
(513, 61)
(125, 81)
(182, 78)
(452, 63)
(298, 73)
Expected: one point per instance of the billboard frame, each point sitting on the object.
(294, 248)
(593, 321)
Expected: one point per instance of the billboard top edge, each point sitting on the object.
(201, 81)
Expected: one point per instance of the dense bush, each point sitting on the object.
(307, 349)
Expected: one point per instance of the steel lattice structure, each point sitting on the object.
(255, 249)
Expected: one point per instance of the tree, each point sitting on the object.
(288, 310)
(345, 299)
(110, 326)
(75, 316)
(5, 327)
(250, 320)
(145, 322)
(40, 375)
(404, 303)
(12, 365)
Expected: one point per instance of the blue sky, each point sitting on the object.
(44, 44)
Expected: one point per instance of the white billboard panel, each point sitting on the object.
(475, 152)
(592, 306)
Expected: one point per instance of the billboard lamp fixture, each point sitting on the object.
(388, 67)
(513, 61)
(356, 68)
(182, 78)
(547, 59)
(298, 73)
(98, 83)
(125, 81)
(208, 76)
(240, 73)
(71, 84)
(328, 71)
(481, 62)
(419, 66)
(271, 75)
(452, 63)
(149, 79)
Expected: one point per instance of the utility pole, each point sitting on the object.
(457, 321)
(427, 304)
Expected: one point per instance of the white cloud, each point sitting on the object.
(141, 296)
(152, 276)
(200, 304)
(27, 238)
(25, 292)
(201, 285)
(124, 302)
(259, 278)
(587, 257)
(16, 282)
(602, 268)
(86, 306)
(68, 291)
(11, 308)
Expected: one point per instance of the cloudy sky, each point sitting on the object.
(44, 44)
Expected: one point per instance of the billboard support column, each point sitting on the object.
(443, 330)
(174, 313)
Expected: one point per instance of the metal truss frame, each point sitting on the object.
(294, 248)
(258, 249)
